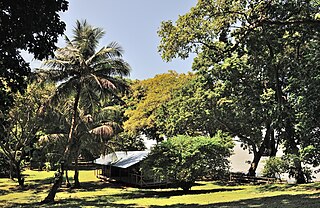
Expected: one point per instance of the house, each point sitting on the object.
(124, 166)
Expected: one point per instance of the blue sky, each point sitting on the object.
(133, 24)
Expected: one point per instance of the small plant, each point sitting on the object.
(47, 166)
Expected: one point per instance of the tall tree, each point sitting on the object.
(95, 134)
(146, 98)
(34, 26)
(190, 111)
(253, 49)
(22, 128)
(86, 74)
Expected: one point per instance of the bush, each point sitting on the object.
(185, 159)
(274, 167)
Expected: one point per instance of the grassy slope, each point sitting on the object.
(206, 194)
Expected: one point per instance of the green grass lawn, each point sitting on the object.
(95, 193)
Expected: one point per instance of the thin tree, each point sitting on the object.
(87, 75)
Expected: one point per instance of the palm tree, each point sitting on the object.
(86, 74)
(95, 134)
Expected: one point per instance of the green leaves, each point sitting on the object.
(185, 159)
(257, 57)
(147, 98)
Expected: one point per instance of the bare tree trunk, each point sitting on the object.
(68, 184)
(76, 165)
(67, 153)
(254, 164)
(19, 175)
(56, 185)
(257, 155)
(11, 171)
(76, 174)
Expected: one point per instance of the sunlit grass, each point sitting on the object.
(96, 193)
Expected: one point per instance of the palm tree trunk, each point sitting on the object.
(54, 189)
(67, 153)
(76, 166)
(76, 174)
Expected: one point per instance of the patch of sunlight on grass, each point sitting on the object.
(97, 193)
(215, 194)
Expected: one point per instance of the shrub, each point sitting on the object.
(185, 159)
(274, 167)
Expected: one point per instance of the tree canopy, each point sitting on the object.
(33, 26)
(146, 98)
(89, 76)
(23, 126)
(254, 52)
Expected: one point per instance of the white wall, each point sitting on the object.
(240, 156)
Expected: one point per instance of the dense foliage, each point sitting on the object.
(274, 167)
(23, 126)
(184, 159)
(33, 26)
(89, 76)
(145, 100)
(261, 58)
(190, 111)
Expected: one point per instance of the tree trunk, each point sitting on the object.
(257, 155)
(300, 179)
(76, 174)
(294, 149)
(67, 153)
(67, 179)
(299, 174)
(254, 164)
(11, 170)
(273, 145)
(76, 165)
(19, 176)
(54, 189)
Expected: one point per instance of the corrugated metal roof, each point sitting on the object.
(122, 159)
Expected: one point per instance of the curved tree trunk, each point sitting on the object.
(254, 164)
(56, 185)
(257, 155)
(67, 153)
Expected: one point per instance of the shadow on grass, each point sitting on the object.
(283, 201)
(275, 187)
(3, 192)
(167, 194)
(72, 202)
(95, 186)
(291, 187)
(35, 185)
